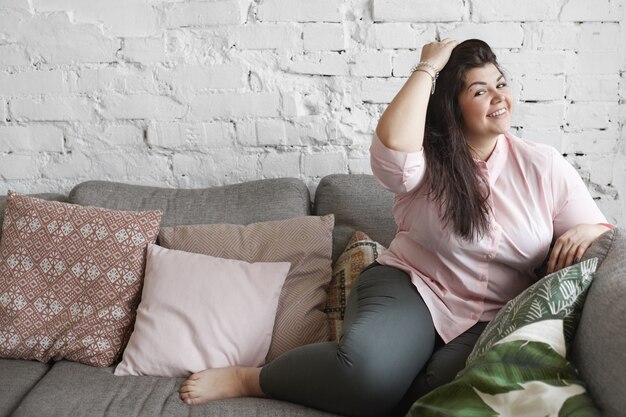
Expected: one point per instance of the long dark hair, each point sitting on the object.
(454, 181)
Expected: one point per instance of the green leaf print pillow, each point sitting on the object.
(519, 365)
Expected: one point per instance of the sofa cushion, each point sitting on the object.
(199, 312)
(45, 196)
(73, 389)
(248, 202)
(599, 344)
(358, 254)
(358, 202)
(304, 242)
(70, 278)
(17, 377)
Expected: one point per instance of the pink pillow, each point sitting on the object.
(70, 278)
(199, 312)
(305, 242)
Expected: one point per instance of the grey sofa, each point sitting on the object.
(29, 388)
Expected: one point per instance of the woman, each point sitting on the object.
(476, 209)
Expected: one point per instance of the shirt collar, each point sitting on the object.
(497, 160)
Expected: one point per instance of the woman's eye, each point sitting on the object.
(502, 85)
(479, 93)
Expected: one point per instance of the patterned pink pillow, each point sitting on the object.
(70, 279)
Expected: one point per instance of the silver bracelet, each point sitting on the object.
(425, 64)
(434, 78)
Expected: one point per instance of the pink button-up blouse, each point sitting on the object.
(534, 194)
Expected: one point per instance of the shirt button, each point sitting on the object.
(483, 277)
(490, 255)
(473, 316)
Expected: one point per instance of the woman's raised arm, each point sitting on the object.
(401, 127)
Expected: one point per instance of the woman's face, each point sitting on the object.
(485, 103)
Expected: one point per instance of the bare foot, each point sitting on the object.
(219, 384)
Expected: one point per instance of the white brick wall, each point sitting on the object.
(197, 93)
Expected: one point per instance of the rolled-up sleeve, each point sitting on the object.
(398, 172)
(573, 203)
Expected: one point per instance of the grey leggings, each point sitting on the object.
(374, 370)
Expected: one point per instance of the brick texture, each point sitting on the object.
(197, 93)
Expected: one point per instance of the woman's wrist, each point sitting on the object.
(430, 69)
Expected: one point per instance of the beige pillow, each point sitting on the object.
(359, 253)
(305, 242)
(70, 279)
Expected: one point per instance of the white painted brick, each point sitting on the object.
(546, 116)
(119, 18)
(512, 10)
(601, 169)
(223, 167)
(13, 55)
(593, 87)
(140, 167)
(73, 165)
(380, 90)
(572, 36)
(299, 11)
(269, 36)
(496, 34)
(52, 109)
(33, 82)
(372, 64)
(415, 11)
(404, 61)
(15, 4)
(270, 132)
(125, 80)
(245, 131)
(278, 165)
(582, 10)
(592, 141)
(4, 114)
(398, 35)
(31, 138)
(594, 115)
(142, 106)
(197, 78)
(324, 37)
(146, 50)
(319, 165)
(359, 163)
(544, 87)
(602, 62)
(533, 63)
(16, 167)
(307, 131)
(191, 135)
(319, 64)
(123, 135)
(552, 137)
(207, 107)
(52, 38)
(198, 13)
(307, 103)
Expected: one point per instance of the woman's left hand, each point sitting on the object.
(571, 245)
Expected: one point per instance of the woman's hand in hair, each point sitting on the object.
(438, 53)
(571, 245)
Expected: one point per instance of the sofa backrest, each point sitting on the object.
(245, 203)
(359, 203)
(600, 340)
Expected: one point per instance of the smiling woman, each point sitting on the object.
(476, 210)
